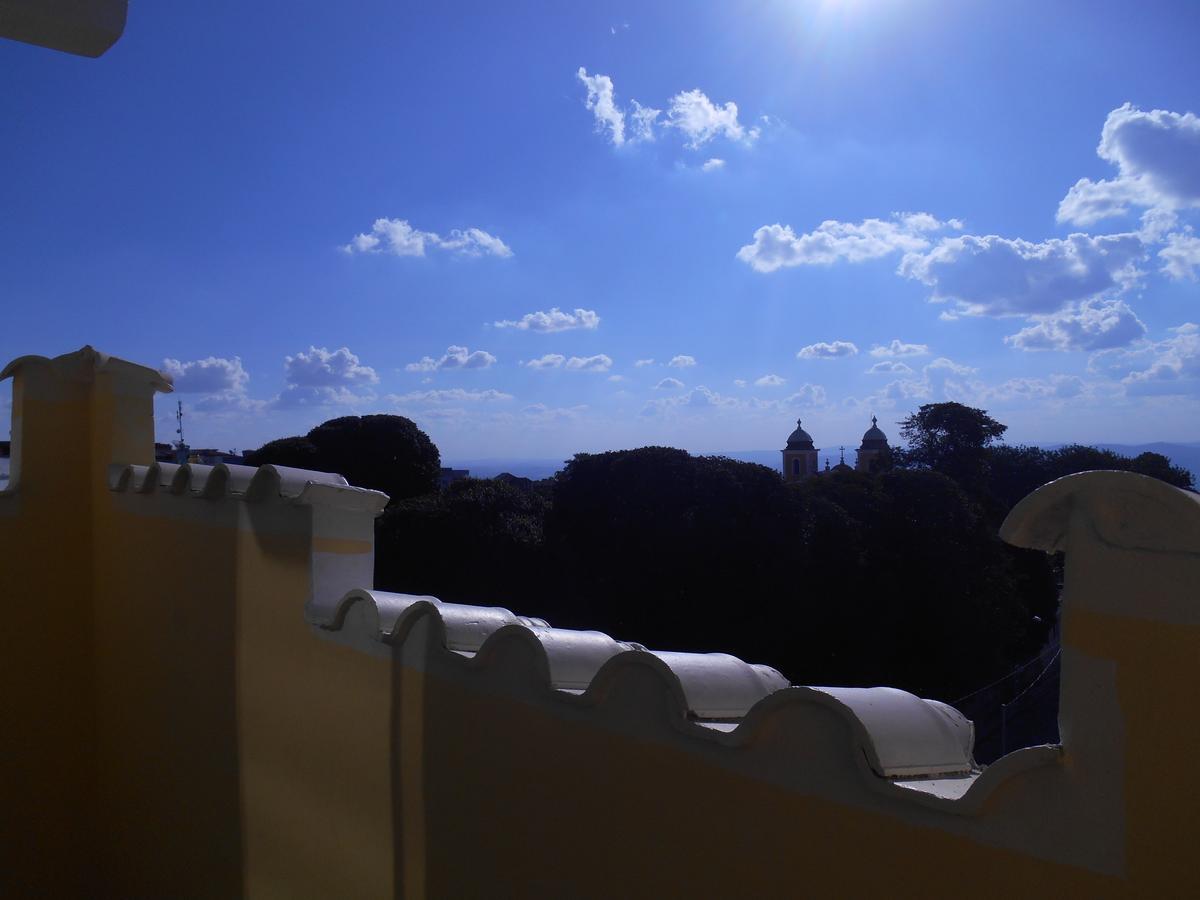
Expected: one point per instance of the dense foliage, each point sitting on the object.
(895, 577)
(386, 453)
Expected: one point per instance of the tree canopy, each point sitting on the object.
(952, 439)
(382, 452)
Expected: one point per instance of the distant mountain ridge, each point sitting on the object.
(1186, 455)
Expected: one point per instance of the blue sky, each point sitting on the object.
(544, 228)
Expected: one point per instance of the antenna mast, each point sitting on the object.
(181, 446)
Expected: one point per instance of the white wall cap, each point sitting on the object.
(720, 686)
(301, 486)
(909, 736)
(576, 656)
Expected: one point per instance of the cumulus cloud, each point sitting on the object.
(807, 395)
(398, 238)
(455, 358)
(320, 377)
(828, 350)
(207, 376)
(1055, 387)
(995, 276)
(777, 246)
(898, 348)
(553, 321)
(318, 367)
(942, 364)
(889, 367)
(712, 165)
(701, 400)
(1170, 366)
(295, 395)
(643, 362)
(548, 361)
(769, 381)
(691, 113)
(1091, 325)
(643, 118)
(221, 382)
(602, 103)
(669, 384)
(1157, 155)
(598, 363)
(539, 414)
(1181, 256)
(450, 395)
(701, 120)
(682, 361)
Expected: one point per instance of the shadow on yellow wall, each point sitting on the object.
(205, 698)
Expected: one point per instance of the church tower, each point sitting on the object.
(799, 456)
(874, 445)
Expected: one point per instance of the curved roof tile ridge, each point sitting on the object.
(899, 735)
(301, 486)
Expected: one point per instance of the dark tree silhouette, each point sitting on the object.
(385, 453)
(952, 439)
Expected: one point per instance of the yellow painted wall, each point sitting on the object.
(174, 728)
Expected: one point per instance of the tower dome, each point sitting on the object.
(873, 438)
(799, 456)
(874, 451)
(799, 439)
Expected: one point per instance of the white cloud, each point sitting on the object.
(643, 362)
(598, 363)
(889, 367)
(1170, 366)
(807, 395)
(1055, 387)
(207, 376)
(320, 377)
(600, 100)
(295, 395)
(548, 361)
(669, 384)
(455, 358)
(399, 238)
(474, 242)
(451, 395)
(539, 414)
(682, 361)
(995, 276)
(1157, 155)
(776, 246)
(644, 119)
(701, 120)
(769, 381)
(318, 367)
(1087, 202)
(712, 165)
(702, 401)
(942, 364)
(1091, 325)
(827, 350)
(691, 113)
(1181, 256)
(739, 382)
(898, 348)
(553, 321)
